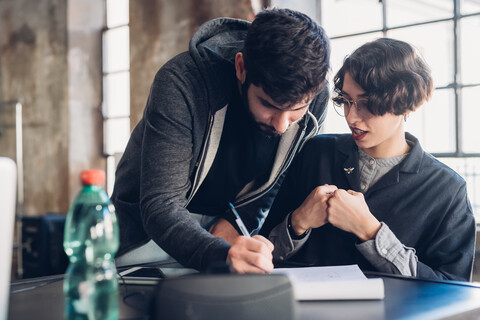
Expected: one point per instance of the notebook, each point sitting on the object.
(8, 185)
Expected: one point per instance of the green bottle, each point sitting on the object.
(91, 240)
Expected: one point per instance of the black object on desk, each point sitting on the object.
(224, 296)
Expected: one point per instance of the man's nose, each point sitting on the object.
(281, 122)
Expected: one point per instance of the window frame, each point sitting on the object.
(456, 85)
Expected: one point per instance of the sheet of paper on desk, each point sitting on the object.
(333, 283)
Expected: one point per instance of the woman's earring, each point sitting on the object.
(405, 117)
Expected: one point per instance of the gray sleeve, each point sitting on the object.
(284, 245)
(166, 152)
(388, 254)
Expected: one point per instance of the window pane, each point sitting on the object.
(469, 6)
(470, 49)
(435, 42)
(115, 135)
(434, 123)
(117, 13)
(351, 16)
(116, 55)
(116, 95)
(402, 12)
(470, 116)
(344, 46)
(308, 7)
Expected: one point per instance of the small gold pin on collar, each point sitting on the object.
(348, 170)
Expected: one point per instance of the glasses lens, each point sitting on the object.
(363, 109)
(362, 104)
(340, 103)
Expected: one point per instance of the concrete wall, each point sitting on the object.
(33, 68)
(51, 59)
(160, 29)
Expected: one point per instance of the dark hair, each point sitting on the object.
(394, 76)
(287, 54)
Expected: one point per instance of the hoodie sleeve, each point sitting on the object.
(166, 156)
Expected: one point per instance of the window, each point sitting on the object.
(116, 84)
(446, 33)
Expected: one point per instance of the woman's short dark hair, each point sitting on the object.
(394, 76)
(287, 54)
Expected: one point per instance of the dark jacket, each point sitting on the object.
(421, 200)
(174, 145)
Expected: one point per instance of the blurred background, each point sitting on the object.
(75, 76)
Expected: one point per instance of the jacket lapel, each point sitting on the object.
(410, 165)
(349, 156)
(352, 171)
(390, 178)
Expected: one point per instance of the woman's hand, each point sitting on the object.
(313, 211)
(348, 211)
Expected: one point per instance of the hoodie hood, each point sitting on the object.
(213, 48)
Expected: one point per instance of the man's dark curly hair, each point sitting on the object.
(394, 76)
(287, 54)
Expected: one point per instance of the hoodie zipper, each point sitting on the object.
(242, 203)
(199, 163)
(289, 158)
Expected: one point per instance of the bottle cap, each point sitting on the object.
(91, 177)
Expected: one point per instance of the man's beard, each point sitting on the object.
(264, 129)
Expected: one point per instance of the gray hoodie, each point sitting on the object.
(172, 148)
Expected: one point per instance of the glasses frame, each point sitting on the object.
(343, 111)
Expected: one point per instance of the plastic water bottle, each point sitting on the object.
(91, 240)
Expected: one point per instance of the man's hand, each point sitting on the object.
(223, 229)
(247, 255)
(251, 255)
(313, 211)
(348, 211)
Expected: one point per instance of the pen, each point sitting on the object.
(239, 221)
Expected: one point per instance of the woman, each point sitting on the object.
(374, 197)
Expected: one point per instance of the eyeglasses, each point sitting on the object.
(343, 105)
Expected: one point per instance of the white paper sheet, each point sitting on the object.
(333, 283)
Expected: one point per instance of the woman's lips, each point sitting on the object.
(358, 134)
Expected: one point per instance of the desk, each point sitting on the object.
(405, 298)
(42, 298)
